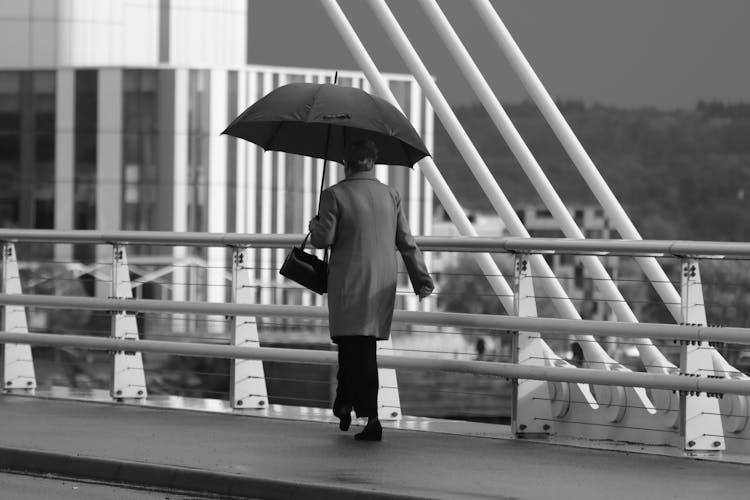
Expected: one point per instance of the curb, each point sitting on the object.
(179, 478)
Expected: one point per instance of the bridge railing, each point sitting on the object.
(700, 406)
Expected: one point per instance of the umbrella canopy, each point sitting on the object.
(320, 120)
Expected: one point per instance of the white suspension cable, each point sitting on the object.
(592, 350)
(581, 160)
(575, 150)
(653, 358)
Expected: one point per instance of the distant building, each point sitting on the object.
(110, 115)
(540, 224)
(490, 225)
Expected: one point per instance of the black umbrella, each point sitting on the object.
(320, 120)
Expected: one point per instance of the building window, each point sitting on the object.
(579, 217)
(543, 213)
(10, 148)
(578, 276)
(43, 107)
(27, 147)
(140, 150)
(84, 189)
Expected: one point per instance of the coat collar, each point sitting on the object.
(368, 174)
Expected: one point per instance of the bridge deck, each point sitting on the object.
(277, 458)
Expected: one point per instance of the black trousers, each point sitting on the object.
(357, 376)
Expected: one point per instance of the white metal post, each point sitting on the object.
(532, 412)
(18, 363)
(389, 402)
(128, 379)
(701, 425)
(248, 381)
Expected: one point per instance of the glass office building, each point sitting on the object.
(110, 119)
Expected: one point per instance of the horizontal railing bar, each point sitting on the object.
(167, 238)
(508, 370)
(696, 333)
(708, 249)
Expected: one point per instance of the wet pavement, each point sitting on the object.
(281, 458)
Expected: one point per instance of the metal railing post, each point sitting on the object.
(389, 402)
(531, 412)
(18, 363)
(248, 380)
(128, 378)
(701, 427)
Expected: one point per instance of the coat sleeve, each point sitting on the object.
(323, 227)
(415, 266)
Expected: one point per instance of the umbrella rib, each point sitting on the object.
(275, 133)
(314, 100)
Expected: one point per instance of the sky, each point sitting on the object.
(666, 54)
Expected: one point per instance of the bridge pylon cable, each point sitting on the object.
(442, 190)
(652, 357)
(582, 160)
(593, 351)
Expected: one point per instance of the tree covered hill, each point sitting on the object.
(682, 174)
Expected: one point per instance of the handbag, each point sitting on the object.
(306, 269)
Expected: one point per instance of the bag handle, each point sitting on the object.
(304, 243)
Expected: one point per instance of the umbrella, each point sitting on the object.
(320, 120)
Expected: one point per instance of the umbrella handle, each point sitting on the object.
(325, 166)
(322, 180)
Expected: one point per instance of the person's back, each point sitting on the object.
(363, 262)
(369, 221)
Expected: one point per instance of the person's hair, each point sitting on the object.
(361, 155)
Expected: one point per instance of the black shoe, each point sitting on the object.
(373, 431)
(345, 417)
(345, 421)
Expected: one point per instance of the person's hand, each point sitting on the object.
(424, 291)
(311, 223)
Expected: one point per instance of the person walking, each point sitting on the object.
(362, 221)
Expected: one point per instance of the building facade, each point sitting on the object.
(110, 119)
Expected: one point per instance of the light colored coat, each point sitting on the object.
(362, 220)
